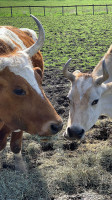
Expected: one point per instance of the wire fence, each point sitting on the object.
(55, 10)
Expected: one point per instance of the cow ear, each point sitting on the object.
(107, 88)
(39, 71)
(76, 72)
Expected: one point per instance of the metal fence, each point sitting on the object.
(55, 10)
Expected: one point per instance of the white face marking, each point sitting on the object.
(83, 85)
(21, 65)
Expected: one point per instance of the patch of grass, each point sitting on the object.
(33, 149)
(58, 172)
(81, 10)
(54, 3)
(75, 176)
(106, 159)
(19, 186)
(84, 39)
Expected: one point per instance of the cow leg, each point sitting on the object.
(16, 141)
(16, 144)
(0, 159)
(4, 133)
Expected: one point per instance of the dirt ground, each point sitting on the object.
(56, 88)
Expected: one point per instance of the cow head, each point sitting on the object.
(87, 100)
(23, 104)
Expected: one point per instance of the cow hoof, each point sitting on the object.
(1, 160)
(21, 167)
(20, 164)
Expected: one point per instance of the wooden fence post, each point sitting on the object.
(30, 10)
(93, 9)
(11, 11)
(76, 10)
(107, 9)
(62, 10)
(44, 10)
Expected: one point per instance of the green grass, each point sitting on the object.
(53, 3)
(82, 10)
(83, 38)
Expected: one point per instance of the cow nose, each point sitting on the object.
(75, 132)
(55, 128)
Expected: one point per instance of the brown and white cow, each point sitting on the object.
(23, 104)
(90, 96)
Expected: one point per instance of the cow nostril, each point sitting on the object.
(55, 128)
(81, 133)
(75, 132)
(70, 132)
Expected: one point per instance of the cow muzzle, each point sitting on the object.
(51, 128)
(55, 128)
(74, 132)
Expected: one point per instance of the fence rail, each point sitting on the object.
(42, 10)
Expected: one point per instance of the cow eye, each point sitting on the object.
(95, 102)
(19, 91)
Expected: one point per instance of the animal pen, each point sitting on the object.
(55, 10)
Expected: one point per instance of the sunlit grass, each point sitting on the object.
(84, 39)
(53, 3)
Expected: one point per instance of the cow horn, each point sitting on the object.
(39, 43)
(66, 73)
(105, 75)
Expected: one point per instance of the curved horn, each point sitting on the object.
(39, 43)
(105, 75)
(68, 74)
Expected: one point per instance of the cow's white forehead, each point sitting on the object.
(83, 84)
(21, 65)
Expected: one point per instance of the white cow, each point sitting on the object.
(90, 96)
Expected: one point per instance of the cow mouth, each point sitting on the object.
(65, 135)
(46, 138)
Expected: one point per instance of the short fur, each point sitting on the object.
(88, 100)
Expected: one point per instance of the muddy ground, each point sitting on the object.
(56, 88)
